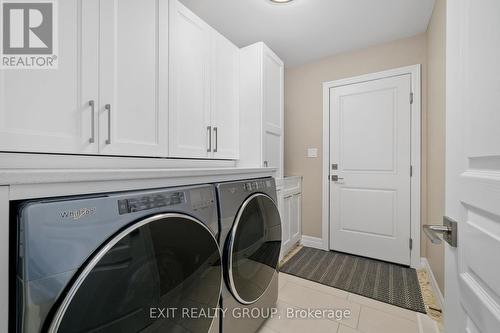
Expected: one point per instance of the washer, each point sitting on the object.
(251, 240)
(121, 262)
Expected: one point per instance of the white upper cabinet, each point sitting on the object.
(261, 108)
(203, 89)
(133, 107)
(109, 94)
(225, 92)
(48, 110)
(190, 128)
(273, 78)
(134, 78)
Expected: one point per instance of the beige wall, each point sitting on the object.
(436, 51)
(304, 112)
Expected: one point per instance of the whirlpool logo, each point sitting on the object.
(77, 214)
(29, 34)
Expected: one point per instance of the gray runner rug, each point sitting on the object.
(390, 283)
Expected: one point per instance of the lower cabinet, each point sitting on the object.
(290, 206)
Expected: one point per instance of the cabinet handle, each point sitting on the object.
(266, 164)
(92, 119)
(107, 107)
(209, 130)
(216, 139)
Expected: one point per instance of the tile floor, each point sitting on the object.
(431, 304)
(366, 315)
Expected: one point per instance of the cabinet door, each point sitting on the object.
(225, 93)
(295, 218)
(134, 77)
(273, 111)
(189, 112)
(47, 110)
(285, 224)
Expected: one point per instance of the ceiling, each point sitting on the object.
(307, 30)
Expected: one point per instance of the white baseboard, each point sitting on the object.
(434, 284)
(314, 242)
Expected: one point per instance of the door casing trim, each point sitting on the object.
(416, 152)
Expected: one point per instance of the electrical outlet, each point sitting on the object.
(312, 152)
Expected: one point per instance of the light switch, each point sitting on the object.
(312, 152)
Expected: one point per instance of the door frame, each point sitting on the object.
(416, 128)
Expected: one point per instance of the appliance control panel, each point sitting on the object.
(201, 198)
(137, 204)
(257, 185)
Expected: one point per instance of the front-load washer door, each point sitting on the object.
(160, 274)
(253, 248)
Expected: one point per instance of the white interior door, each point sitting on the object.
(370, 144)
(134, 77)
(472, 270)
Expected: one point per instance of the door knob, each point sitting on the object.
(449, 231)
(336, 178)
(432, 232)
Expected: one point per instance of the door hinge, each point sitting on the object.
(411, 98)
(411, 244)
(411, 170)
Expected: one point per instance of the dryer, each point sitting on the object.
(119, 262)
(251, 241)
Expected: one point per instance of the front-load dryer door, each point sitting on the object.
(253, 248)
(160, 274)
